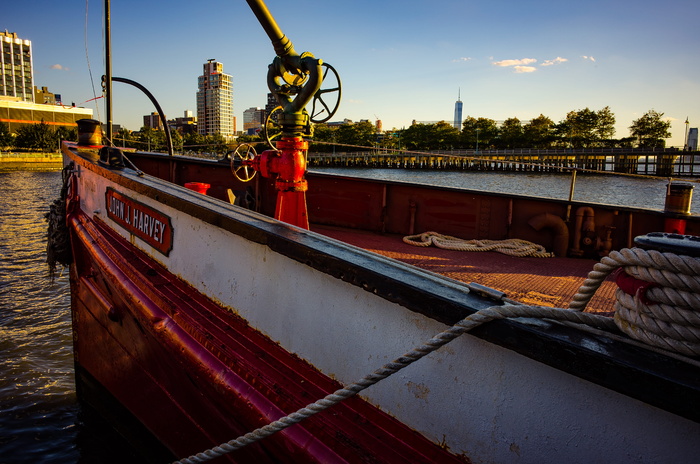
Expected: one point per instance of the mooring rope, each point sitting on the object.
(660, 324)
(511, 247)
(58, 249)
(443, 338)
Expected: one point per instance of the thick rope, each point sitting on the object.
(511, 247)
(665, 315)
(443, 338)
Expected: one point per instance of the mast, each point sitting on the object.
(282, 45)
(108, 71)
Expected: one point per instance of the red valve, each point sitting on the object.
(287, 165)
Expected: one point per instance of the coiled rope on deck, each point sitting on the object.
(662, 313)
(680, 285)
(511, 247)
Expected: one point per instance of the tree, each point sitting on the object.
(323, 133)
(194, 142)
(538, 133)
(511, 134)
(587, 128)
(65, 133)
(416, 137)
(6, 138)
(438, 136)
(147, 138)
(177, 140)
(216, 143)
(443, 136)
(124, 137)
(578, 129)
(650, 130)
(36, 137)
(481, 132)
(606, 124)
(362, 134)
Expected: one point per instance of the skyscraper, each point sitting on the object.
(16, 74)
(458, 111)
(215, 101)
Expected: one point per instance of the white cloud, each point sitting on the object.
(588, 58)
(461, 60)
(515, 62)
(524, 69)
(556, 60)
(59, 67)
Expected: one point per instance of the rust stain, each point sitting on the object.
(419, 390)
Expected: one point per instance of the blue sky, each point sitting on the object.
(398, 60)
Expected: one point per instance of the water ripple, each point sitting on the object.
(38, 407)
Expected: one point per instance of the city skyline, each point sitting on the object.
(509, 59)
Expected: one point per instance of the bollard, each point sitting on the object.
(678, 199)
(89, 132)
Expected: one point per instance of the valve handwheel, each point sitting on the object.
(318, 98)
(240, 166)
(271, 123)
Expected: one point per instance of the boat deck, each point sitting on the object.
(550, 282)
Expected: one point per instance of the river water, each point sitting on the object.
(38, 407)
(41, 420)
(40, 417)
(639, 192)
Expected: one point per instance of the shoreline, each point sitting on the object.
(30, 161)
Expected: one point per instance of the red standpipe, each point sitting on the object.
(287, 165)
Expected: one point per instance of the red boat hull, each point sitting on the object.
(197, 375)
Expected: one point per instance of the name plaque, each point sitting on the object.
(149, 224)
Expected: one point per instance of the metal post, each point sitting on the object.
(108, 71)
(572, 186)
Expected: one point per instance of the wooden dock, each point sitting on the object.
(662, 163)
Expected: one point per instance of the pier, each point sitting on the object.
(30, 161)
(659, 162)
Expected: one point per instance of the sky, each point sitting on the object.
(398, 60)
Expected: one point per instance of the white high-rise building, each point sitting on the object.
(215, 101)
(16, 72)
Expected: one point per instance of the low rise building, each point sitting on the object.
(15, 113)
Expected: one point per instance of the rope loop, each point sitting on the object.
(661, 315)
(511, 247)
